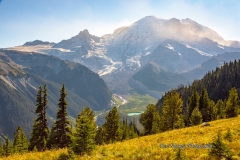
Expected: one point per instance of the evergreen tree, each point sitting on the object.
(203, 104)
(229, 135)
(112, 126)
(150, 120)
(193, 102)
(196, 117)
(180, 155)
(45, 130)
(221, 109)
(40, 131)
(7, 147)
(85, 132)
(132, 133)
(172, 116)
(20, 142)
(232, 107)
(212, 111)
(51, 143)
(61, 130)
(100, 136)
(219, 148)
(125, 130)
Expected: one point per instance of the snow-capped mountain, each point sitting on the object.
(175, 45)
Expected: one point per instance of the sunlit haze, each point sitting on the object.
(55, 20)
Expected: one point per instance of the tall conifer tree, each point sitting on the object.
(150, 120)
(203, 104)
(85, 132)
(193, 102)
(172, 116)
(112, 126)
(40, 131)
(61, 130)
(232, 106)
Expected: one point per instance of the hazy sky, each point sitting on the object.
(54, 20)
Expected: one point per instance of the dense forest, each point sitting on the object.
(216, 96)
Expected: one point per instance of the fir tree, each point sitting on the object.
(7, 147)
(61, 130)
(219, 149)
(193, 102)
(85, 132)
(20, 142)
(196, 117)
(172, 116)
(203, 105)
(212, 110)
(150, 120)
(180, 155)
(232, 107)
(221, 109)
(132, 133)
(40, 131)
(125, 130)
(228, 136)
(112, 126)
(99, 136)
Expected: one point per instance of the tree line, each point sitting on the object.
(80, 139)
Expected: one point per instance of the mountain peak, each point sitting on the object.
(84, 32)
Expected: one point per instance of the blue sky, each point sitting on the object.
(55, 20)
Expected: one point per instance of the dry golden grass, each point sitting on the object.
(148, 147)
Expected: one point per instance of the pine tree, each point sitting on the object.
(228, 136)
(150, 120)
(20, 142)
(172, 116)
(212, 111)
(203, 105)
(51, 143)
(193, 102)
(85, 132)
(132, 133)
(7, 147)
(40, 131)
(219, 149)
(180, 155)
(112, 126)
(99, 136)
(125, 130)
(45, 131)
(232, 107)
(221, 109)
(196, 117)
(61, 130)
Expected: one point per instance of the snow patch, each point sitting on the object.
(170, 47)
(147, 53)
(220, 46)
(199, 51)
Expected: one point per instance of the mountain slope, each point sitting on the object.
(21, 74)
(77, 78)
(158, 79)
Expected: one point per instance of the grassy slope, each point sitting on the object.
(148, 147)
(136, 103)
